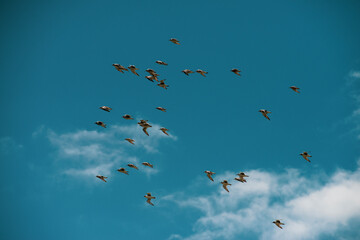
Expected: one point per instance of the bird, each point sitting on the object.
(147, 164)
(296, 89)
(201, 72)
(241, 177)
(162, 84)
(149, 197)
(119, 67)
(161, 63)
(130, 140)
(127, 117)
(101, 177)
(161, 109)
(145, 125)
(225, 184)
(100, 124)
(187, 71)
(209, 175)
(122, 170)
(150, 78)
(133, 69)
(133, 166)
(265, 113)
(278, 223)
(164, 130)
(105, 108)
(306, 156)
(174, 40)
(153, 74)
(236, 71)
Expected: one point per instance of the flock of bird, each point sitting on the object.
(145, 125)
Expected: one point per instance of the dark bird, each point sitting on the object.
(150, 78)
(100, 124)
(101, 177)
(164, 130)
(174, 40)
(296, 89)
(236, 71)
(201, 72)
(209, 175)
(161, 109)
(225, 184)
(122, 170)
(241, 177)
(127, 117)
(105, 108)
(147, 164)
(119, 67)
(278, 223)
(130, 140)
(145, 125)
(162, 84)
(306, 156)
(133, 69)
(187, 71)
(265, 113)
(133, 166)
(161, 63)
(149, 197)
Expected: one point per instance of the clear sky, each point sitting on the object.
(56, 71)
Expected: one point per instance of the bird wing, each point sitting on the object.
(210, 177)
(145, 131)
(225, 187)
(149, 201)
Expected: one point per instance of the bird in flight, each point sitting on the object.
(101, 177)
(187, 71)
(105, 108)
(122, 170)
(100, 124)
(296, 89)
(161, 109)
(149, 197)
(119, 67)
(225, 184)
(164, 130)
(241, 177)
(145, 125)
(162, 84)
(209, 174)
(133, 166)
(174, 40)
(127, 117)
(306, 156)
(147, 164)
(236, 71)
(201, 72)
(133, 69)
(130, 140)
(278, 223)
(265, 113)
(151, 78)
(161, 63)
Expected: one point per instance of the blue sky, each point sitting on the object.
(56, 70)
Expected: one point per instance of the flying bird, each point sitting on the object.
(133, 69)
(187, 71)
(149, 197)
(306, 156)
(127, 117)
(101, 177)
(122, 170)
(162, 84)
(147, 164)
(145, 125)
(209, 175)
(265, 113)
(151, 78)
(133, 166)
(241, 177)
(105, 108)
(201, 72)
(161, 63)
(100, 124)
(164, 130)
(119, 67)
(236, 71)
(161, 109)
(278, 223)
(174, 40)
(225, 184)
(130, 140)
(296, 89)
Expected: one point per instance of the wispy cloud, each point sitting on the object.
(9, 145)
(86, 153)
(310, 206)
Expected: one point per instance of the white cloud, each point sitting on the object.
(86, 153)
(309, 206)
(354, 74)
